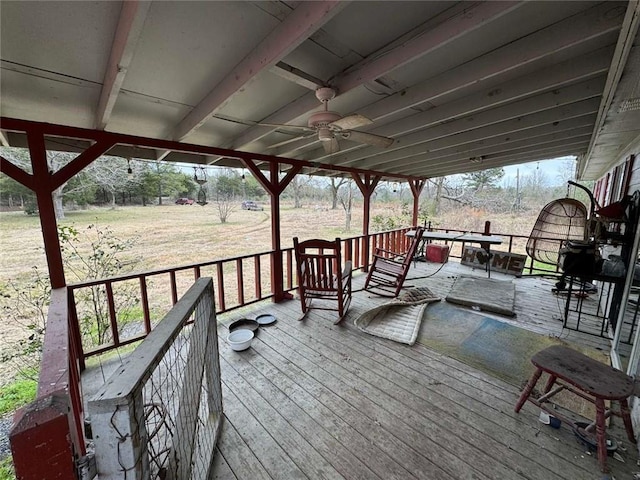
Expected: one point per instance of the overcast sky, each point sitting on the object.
(552, 170)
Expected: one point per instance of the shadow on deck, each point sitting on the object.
(311, 399)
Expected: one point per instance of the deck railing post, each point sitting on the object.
(42, 431)
(47, 438)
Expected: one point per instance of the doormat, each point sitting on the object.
(497, 348)
(398, 320)
(497, 296)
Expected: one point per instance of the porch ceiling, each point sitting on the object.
(459, 86)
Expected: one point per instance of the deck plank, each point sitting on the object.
(410, 456)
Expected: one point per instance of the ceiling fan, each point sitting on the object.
(330, 126)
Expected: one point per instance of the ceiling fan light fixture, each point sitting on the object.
(324, 134)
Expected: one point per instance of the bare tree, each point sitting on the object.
(568, 171)
(298, 185)
(439, 183)
(110, 173)
(225, 205)
(345, 197)
(336, 183)
(226, 187)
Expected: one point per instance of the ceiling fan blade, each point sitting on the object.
(331, 146)
(368, 138)
(290, 140)
(292, 127)
(351, 121)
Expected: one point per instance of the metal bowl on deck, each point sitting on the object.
(244, 324)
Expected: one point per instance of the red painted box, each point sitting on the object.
(437, 253)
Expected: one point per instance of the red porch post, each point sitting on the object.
(42, 186)
(367, 186)
(50, 428)
(274, 186)
(416, 189)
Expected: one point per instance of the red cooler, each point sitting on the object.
(437, 253)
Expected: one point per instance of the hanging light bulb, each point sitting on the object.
(395, 187)
(129, 170)
(244, 179)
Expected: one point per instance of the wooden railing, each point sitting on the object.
(100, 313)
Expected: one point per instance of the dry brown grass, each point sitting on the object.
(172, 235)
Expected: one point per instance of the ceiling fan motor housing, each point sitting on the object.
(324, 94)
(323, 119)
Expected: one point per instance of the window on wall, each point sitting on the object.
(615, 185)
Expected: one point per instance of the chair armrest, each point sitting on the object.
(389, 259)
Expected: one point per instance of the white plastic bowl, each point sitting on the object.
(240, 339)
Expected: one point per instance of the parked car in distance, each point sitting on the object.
(185, 201)
(251, 205)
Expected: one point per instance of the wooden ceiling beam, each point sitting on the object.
(294, 29)
(508, 159)
(489, 154)
(523, 139)
(384, 61)
(297, 76)
(439, 36)
(534, 111)
(128, 31)
(555, 76)
(523, 128)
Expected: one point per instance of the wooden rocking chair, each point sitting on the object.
(321, 276)
(389, 269)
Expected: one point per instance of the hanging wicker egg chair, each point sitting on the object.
(558, 222)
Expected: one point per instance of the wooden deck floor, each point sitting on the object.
(315, 400)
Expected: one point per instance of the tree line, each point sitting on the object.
(112, 181)
(115, 181)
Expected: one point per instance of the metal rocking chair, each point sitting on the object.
(321, 277)
(389, 269)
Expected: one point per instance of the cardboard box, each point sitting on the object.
(437, 253)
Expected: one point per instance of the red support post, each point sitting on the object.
(367, 186)
(416, 189)
(274, 186)
(43, 190)
(40, 439)
(47, 436)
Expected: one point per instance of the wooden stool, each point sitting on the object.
(592, 380)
